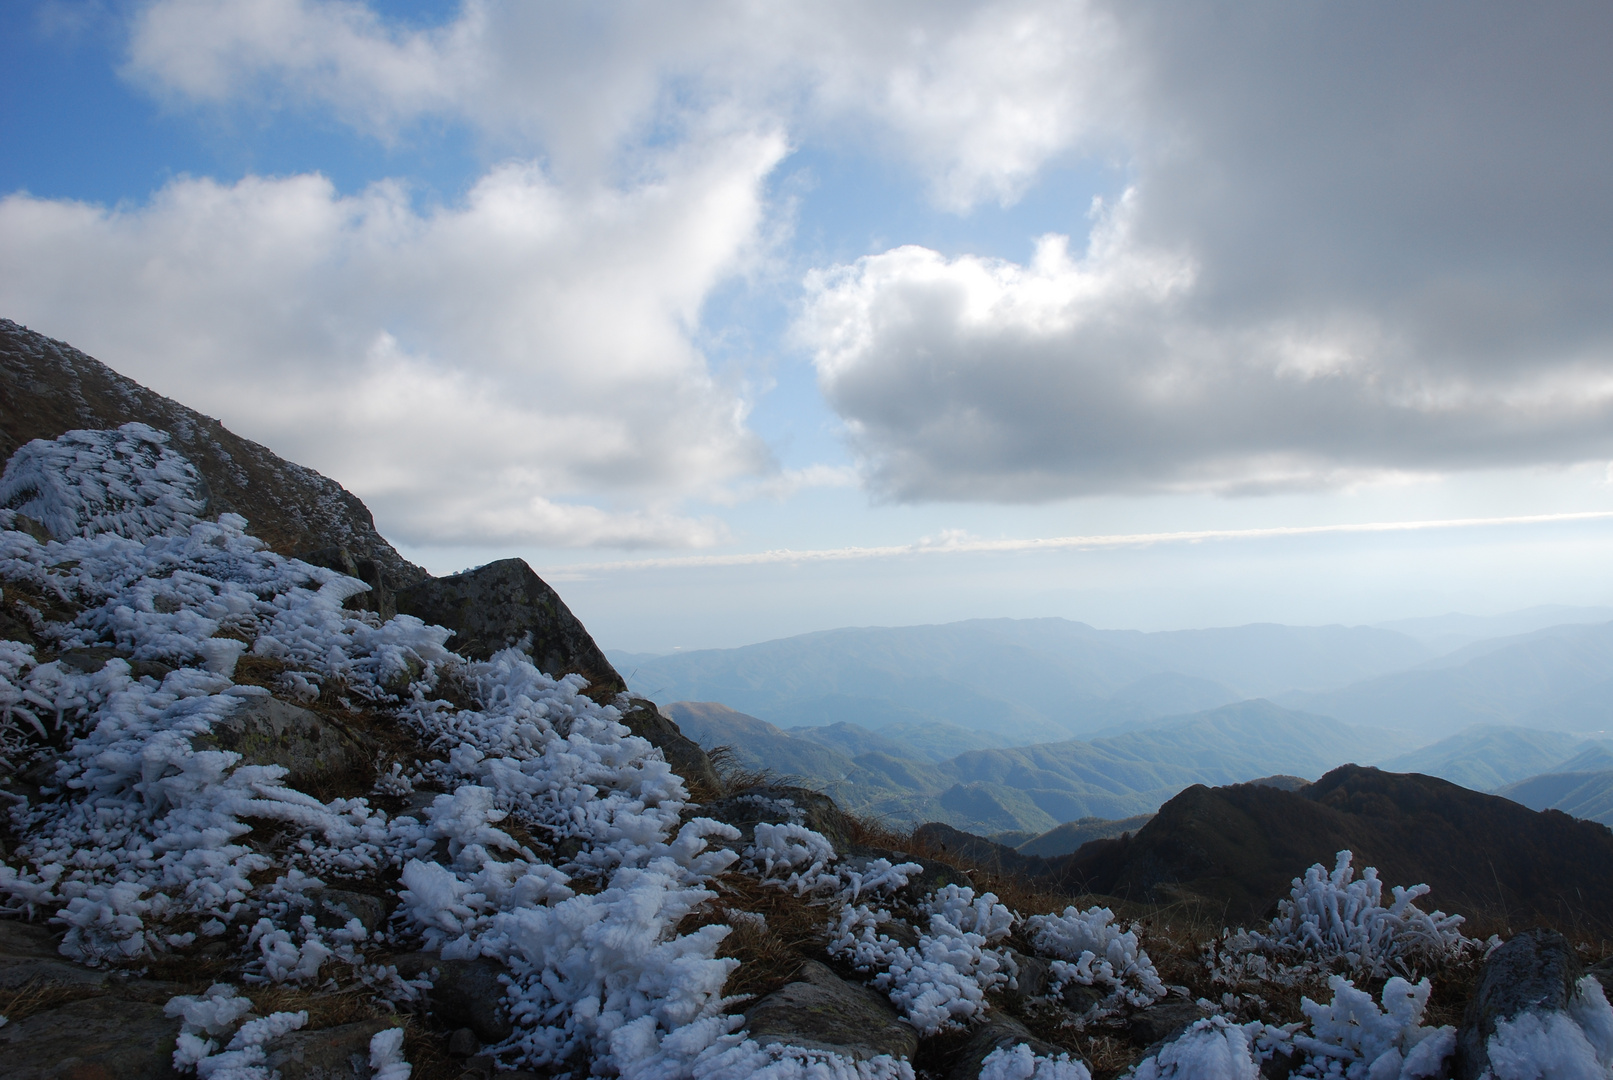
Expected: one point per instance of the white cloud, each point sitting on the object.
(484, 372)
(1363, 241)
(979, 96)
(979, 379)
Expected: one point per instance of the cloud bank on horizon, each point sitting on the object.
(1348, 243)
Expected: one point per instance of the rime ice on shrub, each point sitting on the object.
(941, 982)
(1092, 951)
(1021, 1063)
(1353, 1039)
(1331, 917)
(125, 482)
(1211, 1049)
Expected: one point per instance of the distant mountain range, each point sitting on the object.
(1017, 727)
(1032, 789)
(1559, 678)
(1447, 633)
(1018, 681)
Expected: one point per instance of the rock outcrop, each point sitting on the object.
(822, 1011)
(47, 387)
(317, 750)
(1536, 971)
(502, 604)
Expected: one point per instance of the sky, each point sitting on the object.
(739, 320)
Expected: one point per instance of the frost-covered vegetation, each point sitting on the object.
(510, 817)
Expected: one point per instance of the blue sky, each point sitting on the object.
(640, 291)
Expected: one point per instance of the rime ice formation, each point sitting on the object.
(531, 830)
(1335, 916)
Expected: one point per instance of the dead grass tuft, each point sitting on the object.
(735, 777)
(37, 995)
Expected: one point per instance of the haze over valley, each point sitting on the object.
(1014, 727)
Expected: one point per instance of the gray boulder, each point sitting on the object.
(502, 604)
(268, 731)
(99, 1038)
(1163, 1022)
(822, 1011)
(335, 1053)
(29, 957)
(334, 908)
(1034, 976)
(998, 1031)
(1536, 970)
(464, 993)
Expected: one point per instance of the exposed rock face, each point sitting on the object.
(28, 957)
(336, 1053)
(502, 604)
(822, 1011)
(1163, 1022)
(1535, 970)
(48, 387)
(103, 1038)
(267, 731)
(464, 993)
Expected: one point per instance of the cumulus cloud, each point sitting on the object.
(978, 95)
(1362, 240)
(486, 372)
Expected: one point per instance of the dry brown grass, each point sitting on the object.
(736, 778)
(39, 995)
(769, 956)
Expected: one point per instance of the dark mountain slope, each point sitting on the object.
(48, 387)
(1499, 863)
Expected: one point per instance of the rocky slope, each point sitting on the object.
(258, 826)
(47, 387)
